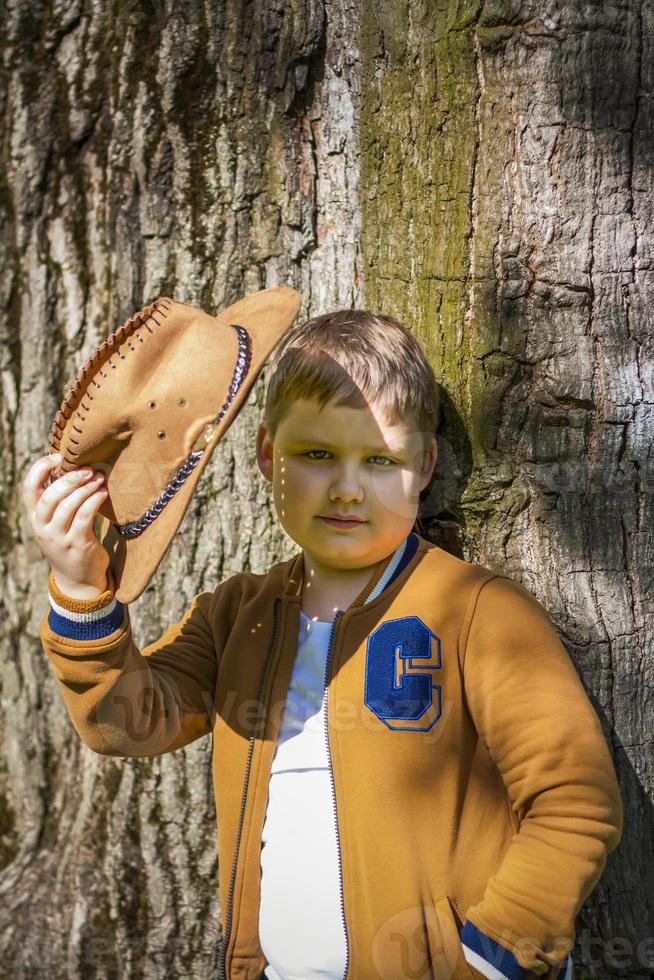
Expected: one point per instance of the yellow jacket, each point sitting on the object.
(474, 792)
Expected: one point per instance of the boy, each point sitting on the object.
(425, 790)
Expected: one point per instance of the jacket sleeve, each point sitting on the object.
(123, 701)
(531, 709)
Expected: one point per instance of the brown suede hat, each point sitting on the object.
(149, 407)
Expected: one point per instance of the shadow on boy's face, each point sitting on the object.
(357, 460)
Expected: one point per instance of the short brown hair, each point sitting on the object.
(357, 357)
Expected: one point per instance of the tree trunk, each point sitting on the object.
(481, 171)
(506, 212)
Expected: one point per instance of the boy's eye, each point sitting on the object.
(324, 452)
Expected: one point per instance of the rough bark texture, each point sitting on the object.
(198, 151)
(482, 171)
(507, 153)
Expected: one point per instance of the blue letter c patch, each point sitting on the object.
(401, 656)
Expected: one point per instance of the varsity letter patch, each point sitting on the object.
(401, 658)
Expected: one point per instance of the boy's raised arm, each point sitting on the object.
(530, 708)
(121, 700)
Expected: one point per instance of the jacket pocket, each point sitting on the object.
(411, 945)
(448, 919)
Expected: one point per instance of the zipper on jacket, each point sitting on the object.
(222, 965)
(331, 777)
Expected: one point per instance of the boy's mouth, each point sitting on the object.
(344, 522)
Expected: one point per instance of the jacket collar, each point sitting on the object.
(385, 573)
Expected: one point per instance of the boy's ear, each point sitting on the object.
(428, 462)
(264, 450)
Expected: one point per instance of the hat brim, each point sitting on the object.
(266, 315)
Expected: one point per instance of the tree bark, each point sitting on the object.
(481, 171)
(506, 207)
(150, 148)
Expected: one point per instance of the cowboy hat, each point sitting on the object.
(149, 407)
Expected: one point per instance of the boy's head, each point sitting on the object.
(349, 428)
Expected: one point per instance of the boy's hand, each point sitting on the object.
(61, 516)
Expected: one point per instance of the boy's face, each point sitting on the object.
(348, 461)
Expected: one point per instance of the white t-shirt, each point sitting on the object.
(300, 925)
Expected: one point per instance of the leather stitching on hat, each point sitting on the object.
(102, 358)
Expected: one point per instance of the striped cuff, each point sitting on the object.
(84, 619)
(494, 961)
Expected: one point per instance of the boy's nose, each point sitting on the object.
(346, 490)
